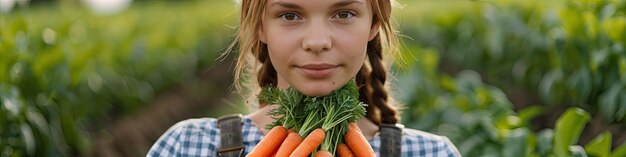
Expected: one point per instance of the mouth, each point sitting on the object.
(317, 71)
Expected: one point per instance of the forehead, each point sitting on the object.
(324, 1)
(312, 3)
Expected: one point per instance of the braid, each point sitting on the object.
(364, 94)
(376, 81)
(266, 76)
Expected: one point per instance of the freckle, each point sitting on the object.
(333, 82)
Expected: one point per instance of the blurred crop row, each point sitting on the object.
(500, 78)
(64, 69)
(561, 64)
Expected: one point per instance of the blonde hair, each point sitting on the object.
(253, 57)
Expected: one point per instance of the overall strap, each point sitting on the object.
(391, 140)
(231, 140)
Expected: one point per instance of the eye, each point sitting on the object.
(290, 16)
(344, 15)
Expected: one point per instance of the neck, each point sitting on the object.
(260, 118)
(368, 128)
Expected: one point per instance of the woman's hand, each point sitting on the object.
(356, 144)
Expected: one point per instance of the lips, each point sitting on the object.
(317, 71)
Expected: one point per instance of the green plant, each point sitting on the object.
(569, 52)
(479, 118)
(66, 72)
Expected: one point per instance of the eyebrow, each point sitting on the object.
(346, 3)
(286, 5)
(296, 6)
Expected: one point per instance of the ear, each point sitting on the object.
(262, 35)
(374, 31)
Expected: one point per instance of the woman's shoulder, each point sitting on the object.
(186, 137)
(420, 143)
(414, 135)
(200, 137)
(194, 127)
(197, 123)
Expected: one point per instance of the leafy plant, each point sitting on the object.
(566, 51)
(480, 121)
(66, 72)
(569, 52)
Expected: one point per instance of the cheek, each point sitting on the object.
(353, 45)
(281, 44)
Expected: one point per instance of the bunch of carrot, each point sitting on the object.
(306, 125)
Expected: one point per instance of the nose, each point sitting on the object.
(317, 38)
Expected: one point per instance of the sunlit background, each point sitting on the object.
(498, 77)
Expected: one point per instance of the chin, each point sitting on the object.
(318, 88)
(314, 89)
(317, 92)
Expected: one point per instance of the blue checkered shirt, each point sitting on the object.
(201, 137)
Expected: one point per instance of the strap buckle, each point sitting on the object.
(230, 136)
(397, 125)
(391, 139)
(229, 116)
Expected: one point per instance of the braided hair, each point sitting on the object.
(372, 86)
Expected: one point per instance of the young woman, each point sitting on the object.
(315, 46)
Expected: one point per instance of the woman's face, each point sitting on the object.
(317, 46)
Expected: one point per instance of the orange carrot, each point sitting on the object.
(354, 126)
(309, 144)
(344, 151)
(274, 153)
(291, 142)
(323, 153)
(291, 130)
(357, 142)
(269, 143)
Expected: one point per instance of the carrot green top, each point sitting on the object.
(331, 113)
